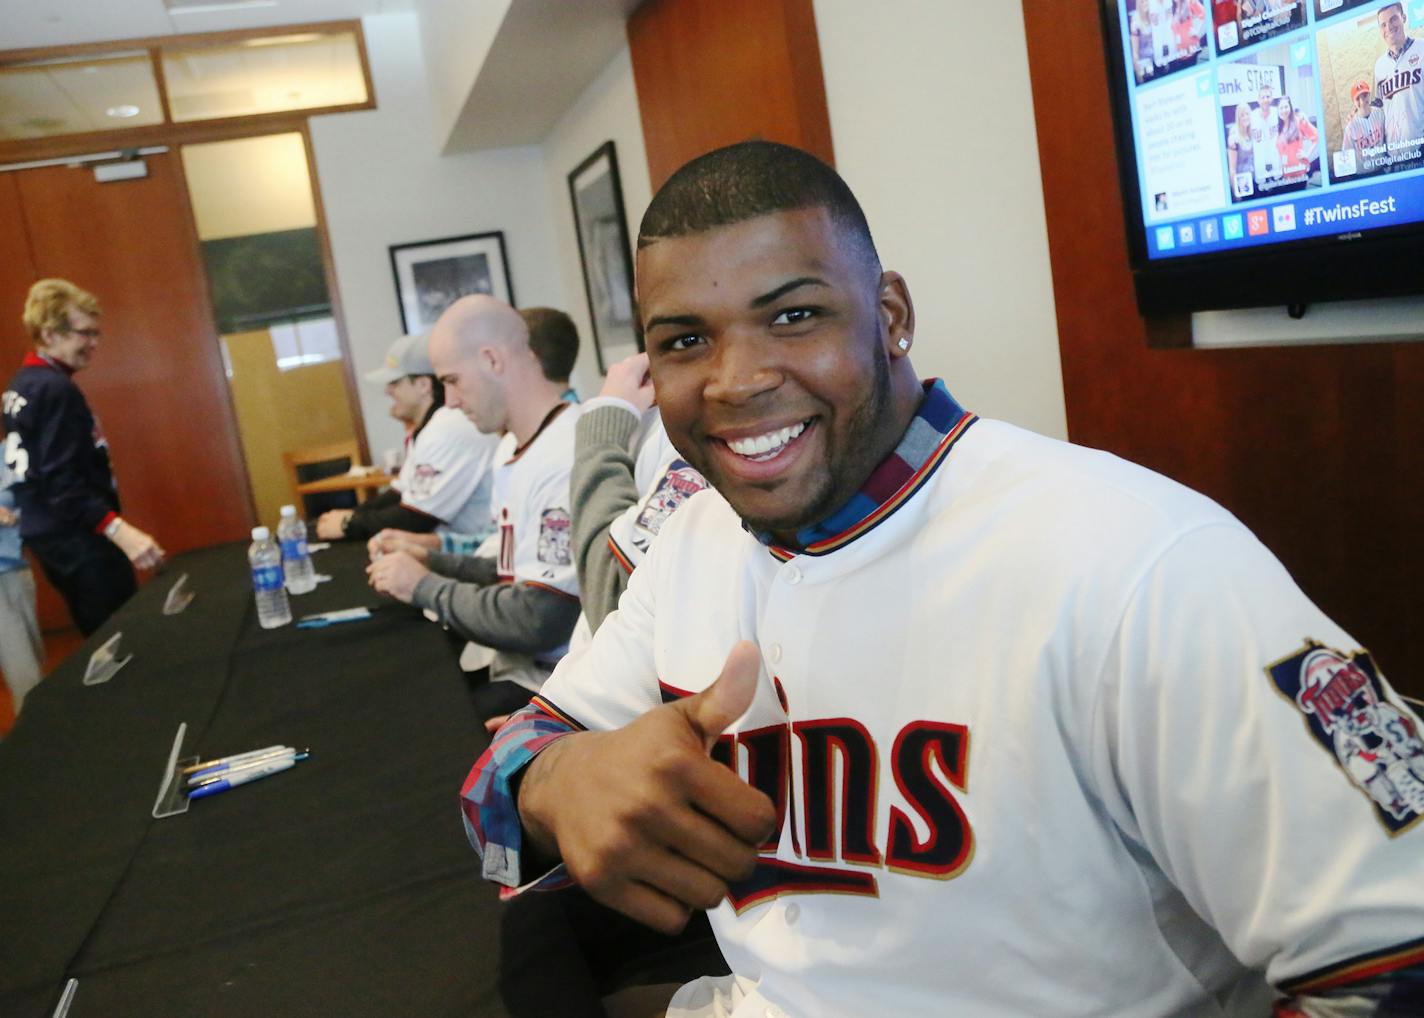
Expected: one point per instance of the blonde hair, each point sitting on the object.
(48, 302)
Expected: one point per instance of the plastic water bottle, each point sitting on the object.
(296, 560)
(266, 559)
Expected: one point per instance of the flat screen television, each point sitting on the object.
(1271, 151)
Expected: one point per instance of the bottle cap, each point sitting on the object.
(289, 510)
(261, 534)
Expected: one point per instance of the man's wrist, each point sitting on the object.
(111, 529)
(540, 848)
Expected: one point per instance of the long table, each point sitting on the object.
(344, 886)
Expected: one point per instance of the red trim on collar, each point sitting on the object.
(35, 360)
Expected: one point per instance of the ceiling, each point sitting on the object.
(544, 54)
(27, 23)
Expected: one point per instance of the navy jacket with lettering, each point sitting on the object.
(53, 444)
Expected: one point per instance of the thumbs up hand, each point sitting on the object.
(643, 818)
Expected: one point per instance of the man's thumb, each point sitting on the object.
(720, 704)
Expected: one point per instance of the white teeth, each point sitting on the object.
(765, 446)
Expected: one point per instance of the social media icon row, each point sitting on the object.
(1257, 222)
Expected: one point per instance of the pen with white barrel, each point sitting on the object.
(242, 777)
(224, 770)
(236, 758)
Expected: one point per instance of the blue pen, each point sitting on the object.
(244, 776)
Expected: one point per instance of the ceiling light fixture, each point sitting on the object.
(229, 5)
(123, 112)
(284, 40)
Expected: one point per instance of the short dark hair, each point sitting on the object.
(554, 338)
(437, 389)
(750, 179)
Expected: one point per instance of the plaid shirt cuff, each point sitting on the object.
(488, 806)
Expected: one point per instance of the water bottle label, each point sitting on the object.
(294, 548)
(265, 578)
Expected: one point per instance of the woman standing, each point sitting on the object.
(64, 486)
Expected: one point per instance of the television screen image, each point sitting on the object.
(1239, 23)
(1269, 118)
(1299, 133)
(1327, 8)
(1166, 36)
(1372, 71)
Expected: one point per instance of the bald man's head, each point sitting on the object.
(480, 351)
(476, 321)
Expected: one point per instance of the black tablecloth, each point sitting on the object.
(344, 886)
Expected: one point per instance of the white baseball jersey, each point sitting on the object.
(447, 472)
(1159, 16)
(1052, 736)
(1264, 128)
(1364, 134)
(1400, 84)
(531, 509)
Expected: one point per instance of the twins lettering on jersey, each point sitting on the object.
(1374, 742)
(833, 808)
(505, 564)
(1386, 88)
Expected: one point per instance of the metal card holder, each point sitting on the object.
(105, 662)
(179, 596)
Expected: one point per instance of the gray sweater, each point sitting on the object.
(601, 488)
(463, 592)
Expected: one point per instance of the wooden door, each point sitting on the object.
(156, 383)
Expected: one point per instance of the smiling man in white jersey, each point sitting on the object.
(933, 715)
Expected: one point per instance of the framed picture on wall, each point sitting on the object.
(433, 274)
(605, 252)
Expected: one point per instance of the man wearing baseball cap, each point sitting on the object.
(1365, 131)
(445, 477)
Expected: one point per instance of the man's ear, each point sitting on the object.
(897, 314)
(491, 360)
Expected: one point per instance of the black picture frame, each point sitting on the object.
(605, 254)
(431, 275)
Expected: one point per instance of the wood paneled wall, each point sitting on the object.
(713, 72)
(1319, 450)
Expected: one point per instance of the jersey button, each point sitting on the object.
(793, 913)
(792, 575)
(774, 652)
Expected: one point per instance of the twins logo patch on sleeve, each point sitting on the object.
(679, 483)
(422, 481)
(554, 527)
(1376, 744)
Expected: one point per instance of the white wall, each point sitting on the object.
(384, 182)
(455, 39)
(932, 122)
(608, 108)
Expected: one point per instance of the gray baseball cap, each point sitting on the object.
(409, 355)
